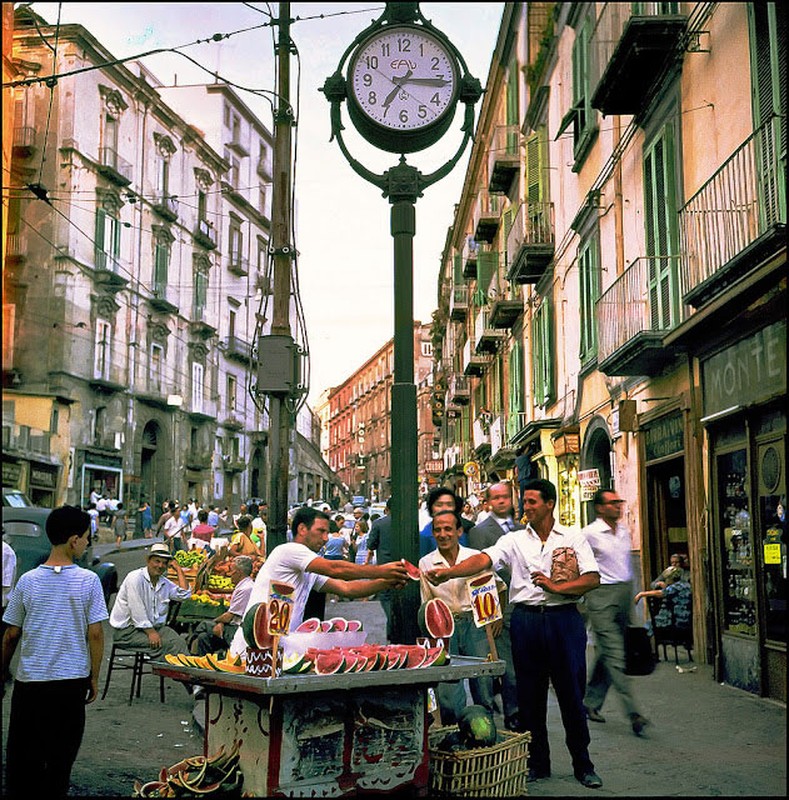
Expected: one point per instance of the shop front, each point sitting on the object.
(101, 472)
(38, 480)
(744, 412)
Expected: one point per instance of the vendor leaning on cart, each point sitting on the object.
(298, 564)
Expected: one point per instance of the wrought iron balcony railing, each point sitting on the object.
(740, 208)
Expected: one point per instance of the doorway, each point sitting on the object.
(667, 513)
(153, 470)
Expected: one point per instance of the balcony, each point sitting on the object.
(16, 248)
(504, 158)
(166, 206)
(110, 272)
(469, 256)
(238, 349)
(110, 380)
(238, 264)
(264, 168)
(202, 323)
(459, 393)
(202, 409)
(506, 306)
(502, 452)
(233, 464)
(735, 221)
(198, 458)
(481, 434)
(164, 298)
(204, 234)
(487, 339)
(530, 242)
(473, 364)
(231, 422)
(486, 218)
(633, 316)
(24, 142)
(456, 455)
(113, 167)
(458, 303)
(630, 53)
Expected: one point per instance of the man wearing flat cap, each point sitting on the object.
(140, 609)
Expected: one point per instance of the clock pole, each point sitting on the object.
(403, 185)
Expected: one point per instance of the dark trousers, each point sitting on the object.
(44, 736)
(552, 646)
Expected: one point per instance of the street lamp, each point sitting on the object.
(404, 81)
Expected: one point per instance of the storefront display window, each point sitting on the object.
(739, 584)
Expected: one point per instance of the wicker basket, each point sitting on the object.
(497, 771)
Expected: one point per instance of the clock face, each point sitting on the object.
(404, 80)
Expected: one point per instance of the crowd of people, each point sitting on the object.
(555, 585)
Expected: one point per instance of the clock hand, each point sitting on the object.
(398, 82)
(428, 81)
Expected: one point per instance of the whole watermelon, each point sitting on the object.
(477, 727)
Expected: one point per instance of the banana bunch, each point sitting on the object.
(220, 582)
(190, 558)
(197, 776)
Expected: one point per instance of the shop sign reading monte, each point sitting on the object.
(589, 479)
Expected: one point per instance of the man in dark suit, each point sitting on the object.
(379, 544)
(497, 524)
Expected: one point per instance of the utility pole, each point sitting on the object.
(280, 423)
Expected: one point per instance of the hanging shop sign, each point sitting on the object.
(664, 437)
(589, 479)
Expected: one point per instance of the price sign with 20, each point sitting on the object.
(484, 599)
(280, 608)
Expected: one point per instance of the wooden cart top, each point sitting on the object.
(460, 667)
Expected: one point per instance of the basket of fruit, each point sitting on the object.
(203, 605)
(214, 573)
(190, 562)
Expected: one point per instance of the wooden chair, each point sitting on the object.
(122, 658)
(670, 636)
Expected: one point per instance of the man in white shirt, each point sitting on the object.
(468, 639)
(609, 608)
(298, 564)
(9, 572)
(548, 632)
(140, 611)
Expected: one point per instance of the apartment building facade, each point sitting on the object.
(136, 281)
(612, 304)
(360, 422)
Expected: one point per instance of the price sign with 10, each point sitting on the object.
(484, 596)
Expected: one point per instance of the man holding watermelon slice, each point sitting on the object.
(297, 564)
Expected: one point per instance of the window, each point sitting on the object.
(581, 114)
(163, 177)
(99, 423)
(108, 236)
(231, 324)
(230, 395)
(111, 134)
(515, 388)
(102, 350)
(427, 349)
(200, 291)
(661, 225)
(155, 368)
(542, 339)
(234, 173)
(201, 205)
(589, 274)
(198, 390)
(236, 242)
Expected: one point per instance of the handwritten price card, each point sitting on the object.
(280, 608)
(484, 599)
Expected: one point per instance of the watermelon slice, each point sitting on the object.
(294, 662)
(338, 624)
(326, 626)
(436, 656)
(328, 662)
(415, 657)
(309, 626)
(354, 625)
(413, 572)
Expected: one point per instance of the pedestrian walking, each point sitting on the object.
(548, 632)
(54, 617)
(609, 607)
(146, 519)
(119, 524)
(499, 522)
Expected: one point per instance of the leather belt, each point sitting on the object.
(463, 615)
(543, 609)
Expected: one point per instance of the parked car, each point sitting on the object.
(13, 498)
(24, 528)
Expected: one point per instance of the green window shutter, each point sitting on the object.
(533, 177)
(515, 398)
(542, 332)
(661, 229)
(589, 273)
(457, 270)
(201, 289)
(100, 258)
(160, 265)
(487, 265)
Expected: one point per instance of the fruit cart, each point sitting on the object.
(326, 735)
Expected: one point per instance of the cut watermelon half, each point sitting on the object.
(354, 625)
(309, 626)
(338, 624)
(415, 657)
(326, 626)
(329, 662)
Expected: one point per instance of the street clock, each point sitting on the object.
(403, 87)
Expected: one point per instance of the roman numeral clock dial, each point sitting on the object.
(402, 88)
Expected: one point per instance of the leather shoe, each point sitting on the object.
(591, 780)
(594, 715)
(537, 775)
(639, 723)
